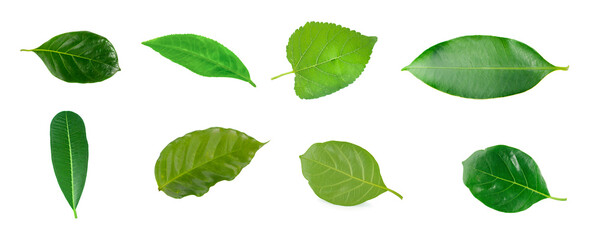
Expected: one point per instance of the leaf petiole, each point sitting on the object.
(282, 75)
(558, 199)
(396, 194)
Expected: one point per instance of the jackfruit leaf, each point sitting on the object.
(505, 179)
(342, 173)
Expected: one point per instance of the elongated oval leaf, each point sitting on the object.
(326, 58)
(481, 67)
(201, 55)
(342, 173)
(191, 164)
(505, 179)
(79, 57)
(69, 154)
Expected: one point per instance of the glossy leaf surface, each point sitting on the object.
(191, 164)
(326, 58)
(342, 173)
(79, 57)
(69, 154)
(505, 179)
(481, 67)
(201, 55)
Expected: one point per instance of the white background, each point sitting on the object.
(418, 135)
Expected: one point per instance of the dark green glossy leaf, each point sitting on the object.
(69, 154)
(505, 179)
(191, 164)
(326, 58)
(481, 67)
(342, 173)
(80, 57)
(201, 55)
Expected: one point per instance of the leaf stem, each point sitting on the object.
(282, 75)
(26, 50)
(558, 199)
(562, 68)
(396, 194)
(75, 214)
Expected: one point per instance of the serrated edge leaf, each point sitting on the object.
(295, 71)
(151, 43)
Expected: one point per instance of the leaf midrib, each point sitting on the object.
(331, 59)
(513, 182)
(353, 177)
(202, 57)
(71, 160)
(194, 168)
(69, 54)
(488, 68)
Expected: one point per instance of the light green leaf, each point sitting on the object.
(481, 67)
(79, 57)
(191, 164)
(342, 173)
(505, 179)
(69, 154)
(201, 55)
(326, 58)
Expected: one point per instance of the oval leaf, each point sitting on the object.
(481, 67)
(326, 58)
(69, 154)
(79, 57)
(191, 164)
(505, 179)
(342, 173)
(201, 55)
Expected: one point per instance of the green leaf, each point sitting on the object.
(481, 67)
(201, 55)
(326, 58)
(505, 179)
(79, 57)
(69, 154)
(342, 173)
(191, 164)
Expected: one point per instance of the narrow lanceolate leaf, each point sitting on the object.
(505, 179)
(326, 58)
(201, 55)
(69, 154)
(191, 164)
(342, 173)
(79, 57)
(481, 67)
